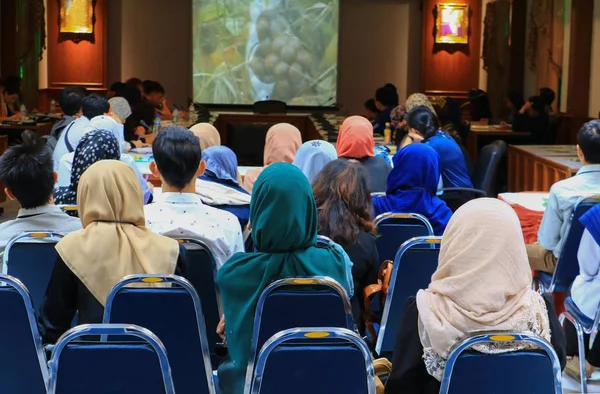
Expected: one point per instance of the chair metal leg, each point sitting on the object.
(581, 352)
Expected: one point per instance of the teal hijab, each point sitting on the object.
(284, 221)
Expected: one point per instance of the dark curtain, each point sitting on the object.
(31, 38)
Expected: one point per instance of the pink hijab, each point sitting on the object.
(281, 144)
(355, 138)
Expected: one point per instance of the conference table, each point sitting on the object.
(482, 134)
(537, 167)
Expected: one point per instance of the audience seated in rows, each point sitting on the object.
(219, 187)
(208, 135)
(344, 206)
(284, 220)
(313, 156)
(424, 127)
(113, 243)
(412, 186)
(482, 283)
(563, 196)
(26, 172)
(70, 100)
(112, 125)
(355, 142)
(91, 106)
(179, 211)
(281, 143)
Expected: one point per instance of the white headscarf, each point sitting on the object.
(483, 282)
(104, 122)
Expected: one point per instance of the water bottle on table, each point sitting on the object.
(23, 110)
(157, 124)
(175, 116)
(52, 106)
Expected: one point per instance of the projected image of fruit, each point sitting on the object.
(271, 49)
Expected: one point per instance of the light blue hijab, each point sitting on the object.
(312, 156)
(221, 163)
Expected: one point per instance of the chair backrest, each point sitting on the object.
(23, 367)
(394, 229)
(270, 107)
(110, 367)
(519, 372)
(298, 302)
(486, 168)
(300, 360)
(174, 314)
(549, 138)
(456, 197)
(202, 274)
(30, 257)
(413, 267)
(567, 266)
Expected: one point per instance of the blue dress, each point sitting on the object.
(454, 165)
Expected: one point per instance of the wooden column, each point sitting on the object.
(518, 41)
(9, 61)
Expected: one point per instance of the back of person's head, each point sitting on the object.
(588, 141)
(516, 99)
(422, 120)
(393, 88)
(386, 97)
(370, 106)
(27, 171)
(548, 96)
(94, 105)
(480, 105)
(70, 100)
(11, 93)
(13, 83)
(135, 82)
(152, 87)
(344, 200)
(118, 88)
(177, 155)
(355, 138)
(538, 104)
(132, 94)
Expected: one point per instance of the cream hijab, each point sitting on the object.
(418, 100)
(114, 241)
(483, 282)
(207, 133)
(281, 143)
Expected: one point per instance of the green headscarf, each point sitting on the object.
(283, 214)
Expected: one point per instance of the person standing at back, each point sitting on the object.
(179, 211)
(563, 197)
(91, 106)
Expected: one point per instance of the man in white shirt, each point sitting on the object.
(179, 212)
(26, 170)
(91, 106)
(563, 196)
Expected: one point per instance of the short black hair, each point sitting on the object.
(547, 96)
(13, 83)
(117, 87)
(133, 81)
(132, 94)
(27, 171)
(177, 154)
(538, 104)
(423, 120)
(152, 87)
(11, 89)
(386, 96)
(370, 105)
(588, 139)
(70, 100)
(94, 105)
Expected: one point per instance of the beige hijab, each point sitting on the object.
(281, 143)
(208, 134)
(483, 282)
(418, 100)
(114, 241)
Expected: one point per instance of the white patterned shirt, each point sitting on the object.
(183, 215)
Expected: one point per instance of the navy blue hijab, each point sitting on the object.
(412, 187)
(591, 222)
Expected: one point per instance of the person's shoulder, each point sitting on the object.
(366, 238)
(224, 217)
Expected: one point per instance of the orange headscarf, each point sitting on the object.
(281, 143)
(355, 138)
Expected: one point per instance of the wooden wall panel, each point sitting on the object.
(77, 64)
(450, 69)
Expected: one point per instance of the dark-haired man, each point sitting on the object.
(26, 170)
(533, 118)
(548, 96)
(91, 106)
(563, 196)
(386, 98)
(70, 102)
(154, 93)
(179, 211)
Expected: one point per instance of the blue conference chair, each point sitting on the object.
(567, 266)
(583, 325)
(30, 257)
(520, 372)
(104, 367)
(314, 360)
(23, 367)
(174, 314)
(298, 302)
(202, 274)
(396, 228)
(413, 266)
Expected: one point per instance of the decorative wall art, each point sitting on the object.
(452, 24)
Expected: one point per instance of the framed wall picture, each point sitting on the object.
(452, 24)
(76, 16)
